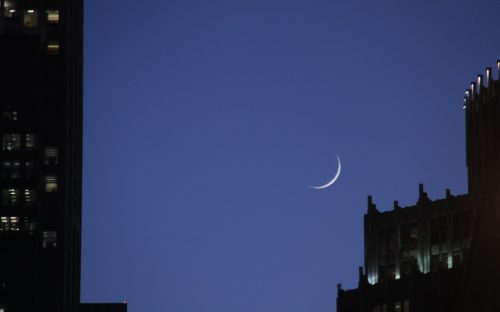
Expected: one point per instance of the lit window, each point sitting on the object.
(50, 184)
(10, 11)
(30, 18)
(52, 16)
(9, 223)
(11, 142)
(29, 197)
(53, 48)
(30, 142)
(10, 197)
(11, 169)
(50, 156)
(398, 307)
(29, 169)
(49, 239)
(9, 115)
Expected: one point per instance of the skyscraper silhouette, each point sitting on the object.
(41, 156)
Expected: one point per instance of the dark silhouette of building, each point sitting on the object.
(103, 307)
(440, 255)
(40, 154)
(479, 287)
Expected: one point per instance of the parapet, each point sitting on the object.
(481, 90)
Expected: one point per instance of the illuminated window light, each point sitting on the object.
(53, 48)
(30, 18)
(53, 16)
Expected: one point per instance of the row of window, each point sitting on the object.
(12, 196)
(14, 224)
(409, 235)
(10, 115)
(12, 142)
(31, 16)
(399, 306)
(408, 265)
(12, 169)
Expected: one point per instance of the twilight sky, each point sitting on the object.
(206, 122)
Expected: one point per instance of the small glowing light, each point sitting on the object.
(31, 11)
(12, 11)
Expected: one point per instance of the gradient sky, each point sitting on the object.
(206, 122)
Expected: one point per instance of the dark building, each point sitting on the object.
(479, 287)
(103, 307)
(40, 154)
(440, 255)
(413, 256)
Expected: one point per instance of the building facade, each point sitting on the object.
(413, 256)
(41, 156)
(440, 255)
(41, 138)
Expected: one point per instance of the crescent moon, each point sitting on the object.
(329, 183)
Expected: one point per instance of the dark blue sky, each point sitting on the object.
(206, 121)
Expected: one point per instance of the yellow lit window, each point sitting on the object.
(53, 48)
(50, 156)
(10, 10)
(29, 197)
(50, 184)
(30, 18)
(52, 16)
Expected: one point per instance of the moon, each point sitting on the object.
(330, 183)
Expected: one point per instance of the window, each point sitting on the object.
(409, 236)
(409, 264)
(29, 169)
(30, 18)
(9, 223)
(457, 258)
(439, 230)
(50, 156)
(52, 16)
(439, 262)
(50, 184)
(29, 226)
(49, 239)
(387, 272)
(461, 226)
(406, 306)
(30, 142)
(10, 197)
(11, 169)
(10, 115)
(377, 308)
(398, 307)
(11, 142)
(29, 197)
(10, 9)
(53, 48)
